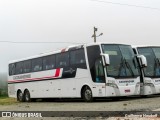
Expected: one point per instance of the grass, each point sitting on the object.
(5, 100)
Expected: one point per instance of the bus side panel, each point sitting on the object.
(67, 87)
(11, 90)
(45, 89)
(82, 78)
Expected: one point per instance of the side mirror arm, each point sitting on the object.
(106, 59)
(143, 60)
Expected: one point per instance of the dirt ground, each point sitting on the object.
(150, 103)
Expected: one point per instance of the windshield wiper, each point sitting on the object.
(123, 64)
(157, 67)
(122, 67)
(129, 67)
(158, 61)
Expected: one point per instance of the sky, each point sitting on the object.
(68, 22)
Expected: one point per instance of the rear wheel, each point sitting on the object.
(20, 96)
(87, 94)
(27, 97)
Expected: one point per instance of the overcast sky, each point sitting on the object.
(72, 21)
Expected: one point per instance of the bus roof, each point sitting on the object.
(144, 46)
(61, 50)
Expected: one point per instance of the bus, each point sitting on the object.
(87, 71)
(150, 75)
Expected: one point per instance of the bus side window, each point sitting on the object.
(19, 68)
(77, 58)
(37, 64)
(27, 66)
(99, 71)
(49, 62)
(12, 69)
(62, 60)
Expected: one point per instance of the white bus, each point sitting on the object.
(84, 71)
(150, 75)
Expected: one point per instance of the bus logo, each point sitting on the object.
(70, 71)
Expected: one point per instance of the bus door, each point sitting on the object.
(100, 77)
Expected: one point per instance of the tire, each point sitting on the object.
(144, 96)
(115, 98)
(27, 97)
(20, 96)
(87, 94)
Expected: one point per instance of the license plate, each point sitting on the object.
(126, 91)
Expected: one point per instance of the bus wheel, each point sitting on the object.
(87, 94)
(20, 96)
(144, 96)
(27, 97)
(115, 98)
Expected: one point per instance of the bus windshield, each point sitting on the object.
(123, 62)
(153, 56)
(156, 51)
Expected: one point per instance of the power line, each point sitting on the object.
(40, 42)
(147, 7)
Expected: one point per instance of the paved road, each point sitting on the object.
(124, 104)
(150, 103)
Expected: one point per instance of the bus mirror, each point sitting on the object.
(106, 59)
(143, 60)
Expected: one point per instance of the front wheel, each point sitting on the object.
(144, 96)
(87, 94)
(27, 97)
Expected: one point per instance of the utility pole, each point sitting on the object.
(94, 34)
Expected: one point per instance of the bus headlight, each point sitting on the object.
(112, 85)
(138, 84)
(149, 84)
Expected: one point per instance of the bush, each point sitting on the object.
(3, 92)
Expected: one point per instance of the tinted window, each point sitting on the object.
(149, 54)
(122, 61)
(99, 71)
(49, 62)
(37, 64)
(62, 60)
(93, 53)
(19, 68)
(27, 66)
(12, 69)
(156, 52)
(77, 57)
(115, 57)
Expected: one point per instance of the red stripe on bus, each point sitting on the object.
(34, 79)
(57, 72)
